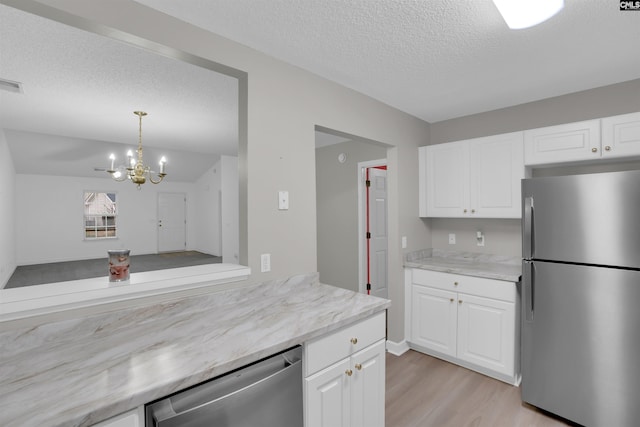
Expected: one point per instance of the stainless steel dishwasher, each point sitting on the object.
(267, 393)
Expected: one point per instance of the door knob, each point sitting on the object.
(349, 372)
(354, 340)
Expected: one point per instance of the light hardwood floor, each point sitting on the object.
(423, 391)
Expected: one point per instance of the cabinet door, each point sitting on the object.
(486, 332)
(563, 143)
(328, 397)
(621, 136)
(433, 323)
(368, 386)
(447, 177)
(496, 166)
(128, 419)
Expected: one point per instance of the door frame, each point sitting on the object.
(362, 222)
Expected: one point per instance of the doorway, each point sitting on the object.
(172, 222)
(337, 205)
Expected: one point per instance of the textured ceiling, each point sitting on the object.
(435, 59)
(85, 87)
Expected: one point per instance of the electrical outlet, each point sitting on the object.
(265, 263)
(404, 242)
(452, 239)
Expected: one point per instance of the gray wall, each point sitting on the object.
(503, 236)
(7, 218)
(280, 109)
(337, 210)
(605, 101)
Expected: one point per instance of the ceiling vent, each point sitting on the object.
(10, 86)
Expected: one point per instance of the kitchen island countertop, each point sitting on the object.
(488, 266)
(79, 371)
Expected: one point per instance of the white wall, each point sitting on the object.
(217, 211)
(49, 217)
(283, 105)
(207, 206)
(230, 210)
(7, 213)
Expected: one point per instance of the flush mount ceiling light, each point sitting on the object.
(520, 14)
(135, 170)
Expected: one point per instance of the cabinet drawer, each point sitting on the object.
(488, 288)
(324, 351)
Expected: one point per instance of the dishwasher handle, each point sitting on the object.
(283, 387)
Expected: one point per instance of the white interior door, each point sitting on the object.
(172, 222)
(378, 243)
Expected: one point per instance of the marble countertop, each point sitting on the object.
(489, 266)
(79, 371)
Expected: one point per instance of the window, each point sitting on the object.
(99, 215)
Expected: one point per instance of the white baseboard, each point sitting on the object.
(397, 349)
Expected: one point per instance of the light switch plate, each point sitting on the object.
(283, 200)
(452, 239)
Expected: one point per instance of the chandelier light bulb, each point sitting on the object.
(163, 161)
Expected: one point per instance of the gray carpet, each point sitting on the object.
(38, 274)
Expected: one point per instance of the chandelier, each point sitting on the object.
(134, 169)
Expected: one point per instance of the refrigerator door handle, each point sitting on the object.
(528, 244)
(528, 290)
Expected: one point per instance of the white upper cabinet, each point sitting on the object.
(621, 135)
(599, 139)
(480, 178)
(496, 167)
(475, 178)
(563, 143)
(444, 191)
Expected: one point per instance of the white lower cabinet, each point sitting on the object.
(350, 391)
(466, 320)
(435, 322)
(133, 418)
(486, 333)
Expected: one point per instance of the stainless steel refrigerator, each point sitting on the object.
(581, 297)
